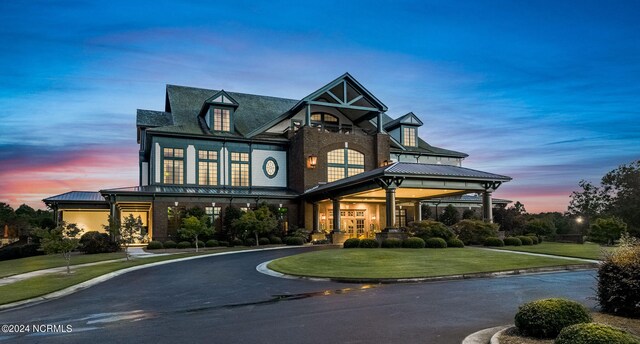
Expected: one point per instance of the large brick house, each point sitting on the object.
(333, 161)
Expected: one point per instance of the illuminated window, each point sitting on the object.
(401, 217)
(207, 167)
(213, 213)
(239, 169)
(344, 162)
(221, 120)
(409, 136)
(173, 165)
(324, 120)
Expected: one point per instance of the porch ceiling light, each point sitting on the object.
(312, 161)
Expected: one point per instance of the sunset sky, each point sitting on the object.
(547, 92)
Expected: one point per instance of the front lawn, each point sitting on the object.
(586, 250)
(407, 263)
(22, 265)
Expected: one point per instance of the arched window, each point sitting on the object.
(325, 121)
(344, 162)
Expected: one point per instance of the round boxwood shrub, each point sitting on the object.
(264, 241)
(236, 242)
(369, 243)
(545, 318)
(526, 240)
(274, 240)
(391, 243)
(413, 242)
(250, 242)
(169, 244)
(455, 243)
(212, 243)
(223, 243)
(294, 241)
(154, 245)
(184, 244)
(512, 241)
(96, 242)
(200, 243)
(493, 241)
(534, 239)
(435, 243)
(592, 333)
(351, 243)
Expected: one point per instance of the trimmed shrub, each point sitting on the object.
(351, 243)
(592, 333)
(19, 250)
(96, 242)
(526, 240)
(369, 243)
(619, 279)
(455, 243)
(250, 242)
(223, 243)
(391, 243)
(294, 241)
(236, 242)
(200, 244)
(212, 243)
(264, 241)
(474, 232)
(512, 241)
(184, 244)
(534, 239)
(321, 242)
(493, 242)
(435, 243)
(169, 244)
(274, 240)
(154, 245)
(413, 242)
(431, 229)
(545, 318)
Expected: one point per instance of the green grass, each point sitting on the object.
(586, 250)
(20, 266)
(49, 283)
(407, 263)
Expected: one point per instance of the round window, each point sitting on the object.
(270, 167)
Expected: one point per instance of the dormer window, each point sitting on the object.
(221, 119)
(409, 137)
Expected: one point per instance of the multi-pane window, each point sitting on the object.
(344, 162)
(409, 136)
(207, 167)
(401, 217)
(239, 169)
(324, 120)
(221, 119)
(213, 213)
(173, 168)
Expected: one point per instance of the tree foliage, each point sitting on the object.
(511, 219)
(256, 222)
(540, 227)
(450, 216)
(192, 228)
(62, 239)
(606, 230)
(130, 232)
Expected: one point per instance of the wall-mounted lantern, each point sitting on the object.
(312, 161)
(213, 204)
(176, 203)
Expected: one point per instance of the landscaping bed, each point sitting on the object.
(408, 263)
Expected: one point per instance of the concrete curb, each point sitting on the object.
(494, 338)
(97, 280)
(262, 268)
(484, 336)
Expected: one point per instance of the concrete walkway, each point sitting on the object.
(134, 252)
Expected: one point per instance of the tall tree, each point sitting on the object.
(510, 219)
(588, 203)
(450, 216)
(622, 186)
(606, 230)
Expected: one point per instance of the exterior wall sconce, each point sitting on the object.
(312, 161)
(213, 204)
(385, 163)
(248, 205)
(176, 203)
(373, 218)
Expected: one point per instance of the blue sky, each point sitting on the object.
(547, 92)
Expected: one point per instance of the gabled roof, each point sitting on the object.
(223, 98)
(150, 118)
(408, 119)
(350, 82)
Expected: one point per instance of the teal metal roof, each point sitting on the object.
(76, 196)
(202, 191)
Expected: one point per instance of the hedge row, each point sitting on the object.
(412, 242)
(156, 245)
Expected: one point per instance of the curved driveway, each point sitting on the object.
(225, 300)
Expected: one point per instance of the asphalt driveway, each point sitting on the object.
(225, 300)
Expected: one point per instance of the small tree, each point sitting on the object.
(256, 222)
(62, 239)
(451, 216)
(607, 230)
(192, 227)
(130, 232)
(470, 214)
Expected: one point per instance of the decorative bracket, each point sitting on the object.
(491, 186)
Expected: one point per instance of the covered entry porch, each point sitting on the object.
(384, 199)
